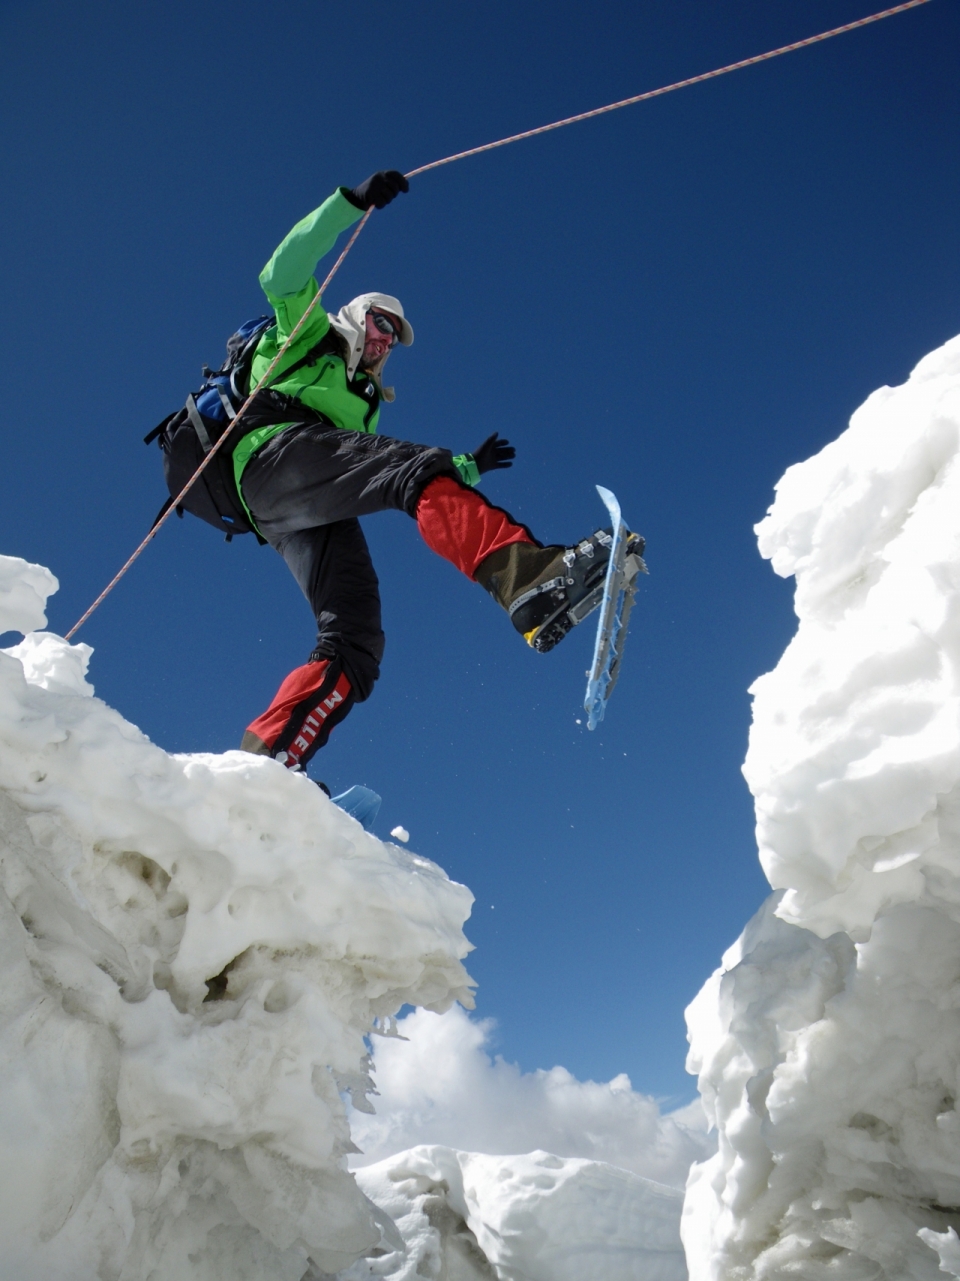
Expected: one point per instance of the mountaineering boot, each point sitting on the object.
(547, 591)
(309, 702)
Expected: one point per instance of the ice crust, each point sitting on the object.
(146, 1130)
(828, 1044)
(24, 589)
(469, 1217)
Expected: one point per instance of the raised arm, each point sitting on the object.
(292, 265)
(288, 279)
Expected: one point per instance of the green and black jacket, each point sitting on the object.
(352, 404)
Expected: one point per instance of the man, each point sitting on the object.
(316, 465)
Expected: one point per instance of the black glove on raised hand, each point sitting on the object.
(379, 189)
(494, 454)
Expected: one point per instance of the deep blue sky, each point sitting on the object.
(677, 300)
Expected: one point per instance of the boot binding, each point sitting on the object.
(549, 630)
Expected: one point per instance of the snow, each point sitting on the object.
(400, 834)
(194, 953)
(828, 1043)
(598, 1196)
(947, 1246)
(146, 1129)
(521, 1218)
(442, 1086)
(24, 589)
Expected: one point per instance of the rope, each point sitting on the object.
(447, 160)
(678, 84)
(213, 452)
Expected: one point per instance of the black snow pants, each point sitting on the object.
(305, 489)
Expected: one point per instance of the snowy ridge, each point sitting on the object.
(828, 1044)
(193, 949)
(470, 1217)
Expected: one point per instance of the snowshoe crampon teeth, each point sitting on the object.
(546, 637)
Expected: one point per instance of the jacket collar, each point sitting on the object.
(350, 322)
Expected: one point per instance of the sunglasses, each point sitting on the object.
(385, 324)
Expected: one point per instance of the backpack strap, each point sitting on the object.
(238, 362)
(158, 430)
(163, 511)
(227, 403)
(193, 413)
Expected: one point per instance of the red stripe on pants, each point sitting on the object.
(300, 707)
(462, 527)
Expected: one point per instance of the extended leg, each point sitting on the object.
(310, 476)
(483, 541)
(545, 590)
(461, 526)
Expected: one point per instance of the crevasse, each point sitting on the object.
(194, 951)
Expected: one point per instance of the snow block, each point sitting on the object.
(193, 950)
(828, 1043)
(537, 1217)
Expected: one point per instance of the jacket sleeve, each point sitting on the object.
(467, 467)
(288, 280)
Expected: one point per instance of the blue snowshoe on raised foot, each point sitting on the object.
(624, 564)
(547, 591)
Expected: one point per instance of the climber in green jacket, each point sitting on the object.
(314, 464)
(342, 387)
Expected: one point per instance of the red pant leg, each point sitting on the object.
(462, 527)
(309, 702)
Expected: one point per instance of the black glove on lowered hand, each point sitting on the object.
(494, 454)
(379, 189)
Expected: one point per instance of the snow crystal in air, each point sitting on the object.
(400, 834)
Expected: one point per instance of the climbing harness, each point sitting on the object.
(447, 160)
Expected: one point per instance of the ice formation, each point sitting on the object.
(598, 1197)
(828, 1044)
(469, 1217)
(192, 951)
